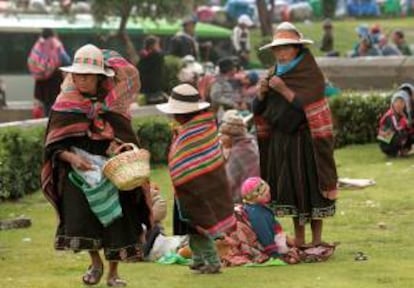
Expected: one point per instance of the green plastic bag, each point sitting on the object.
(173, 258)
(268, 263)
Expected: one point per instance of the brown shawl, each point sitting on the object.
(65, 125)
(307, 82)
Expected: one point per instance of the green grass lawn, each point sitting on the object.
(344, 32)
(27, 258)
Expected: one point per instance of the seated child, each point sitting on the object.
(256, 194)
(393, 127)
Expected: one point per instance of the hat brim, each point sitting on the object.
(182, 108)
(73, 69)
(282, 42)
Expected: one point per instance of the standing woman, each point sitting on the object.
(300, 168)
(46, 56)
(203, 203)
(91, 113)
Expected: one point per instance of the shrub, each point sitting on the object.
(20, 161)
(155, 135)
(172, 67)
(21, 151)
(356, 117)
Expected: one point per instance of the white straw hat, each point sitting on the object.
(286, 34)
(184, 99)
(88, 60)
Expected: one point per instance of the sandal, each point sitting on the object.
(93, 275)
(116, 282)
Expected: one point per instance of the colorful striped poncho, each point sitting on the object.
(120, 94)
(197, 171)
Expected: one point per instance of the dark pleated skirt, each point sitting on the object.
(80, 229)
(47, 90)
(292, 176)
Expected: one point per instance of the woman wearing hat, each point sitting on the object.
(243, 157)
(203, 204)
(91, 114)
(241, 38)
(300, 168)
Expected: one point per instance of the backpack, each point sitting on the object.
(42, 62)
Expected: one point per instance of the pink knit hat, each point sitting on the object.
(253, 190)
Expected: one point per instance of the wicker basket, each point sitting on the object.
(129, 169)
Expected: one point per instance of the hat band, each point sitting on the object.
(87, 60)
(187, 98)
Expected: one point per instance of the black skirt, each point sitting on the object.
(80, 229)
(292, 176)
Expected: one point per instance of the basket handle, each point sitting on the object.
(130, 145)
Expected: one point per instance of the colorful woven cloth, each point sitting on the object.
(121, 90)
(45, 57)
(197, 170)
(103, 199)
(196, 150)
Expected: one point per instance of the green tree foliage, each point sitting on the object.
(125, 9)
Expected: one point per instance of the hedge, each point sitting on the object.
(356, 117)
(355, 120)
(21, 152)
(20, 161)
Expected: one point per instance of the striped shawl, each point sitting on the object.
(197, 171)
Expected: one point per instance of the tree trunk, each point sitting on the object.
(264, 18)
(328, 8)
(125, 10)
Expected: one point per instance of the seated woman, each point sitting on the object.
(393, 127)
(240, 150)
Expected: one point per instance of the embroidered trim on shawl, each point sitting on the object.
(196, 151)
(319, 119)
(216, 230)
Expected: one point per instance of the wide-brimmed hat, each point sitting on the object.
(184, 99)
(88, 60)
(287, 34)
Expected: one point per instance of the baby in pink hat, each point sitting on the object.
(256, 194)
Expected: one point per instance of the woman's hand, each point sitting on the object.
(277, 84)
(80, 163)
(263, 88)
(113, 146)
(76, 161)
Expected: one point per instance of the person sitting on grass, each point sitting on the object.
(393, 127)
(256, 196)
